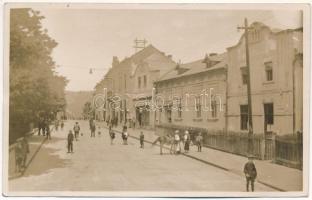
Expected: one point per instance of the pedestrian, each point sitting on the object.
(40, 126)
(250, 172)
(70, 139)
(177, 146)
(93, 128)
(25, 151)
(142, 140)
(76, 130)
(199, 141)
(48, 132)
(18, 156)
(187, 140)
(56, 124)
(43, 127)
(171, 143)
(62, 125)
(161, 140)
(126, 137)
(112, 136)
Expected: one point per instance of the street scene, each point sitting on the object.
(106, 100)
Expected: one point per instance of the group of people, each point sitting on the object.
(57, 123)
(177, 139)
(72, 136)
(44, 128)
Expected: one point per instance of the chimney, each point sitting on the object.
(213, 54)
(115, 61)
(169, 56)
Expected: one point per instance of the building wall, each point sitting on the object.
(278, 48)
(188, 88)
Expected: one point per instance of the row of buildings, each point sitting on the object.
(211, 93)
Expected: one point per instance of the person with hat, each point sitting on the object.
(76, 130)
(70, 139)
(187, 140)
(199, 141)
(250, 172)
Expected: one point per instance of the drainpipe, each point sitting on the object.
(293, 92)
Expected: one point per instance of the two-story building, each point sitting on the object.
(275, 81)
(193, 96)
(129, 86)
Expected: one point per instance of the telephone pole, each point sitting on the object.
(139, 44)
(250, 132)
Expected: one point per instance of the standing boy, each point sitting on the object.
(76, 130)
(250, 172)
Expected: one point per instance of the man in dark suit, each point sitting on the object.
(250, 172)
(70, 139)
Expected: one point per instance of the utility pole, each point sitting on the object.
(139, 44)
(250, 132)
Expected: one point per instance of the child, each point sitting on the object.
(250, 172)
(142, 140)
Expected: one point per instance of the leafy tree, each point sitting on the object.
(35, 88)
(88, 110)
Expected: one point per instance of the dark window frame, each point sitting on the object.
(244, 117)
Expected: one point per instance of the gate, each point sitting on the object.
(269, 146)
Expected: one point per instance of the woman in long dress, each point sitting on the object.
(186, 141)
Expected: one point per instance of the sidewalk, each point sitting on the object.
(269, 174)
(35, 142)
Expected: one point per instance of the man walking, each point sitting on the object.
(92, 127)
(48, 132)
(250, 172)
(142, 140)
(76, 130)
(199, 141)
(70, 139)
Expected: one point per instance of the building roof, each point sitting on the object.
(260, 25)
(195, 67)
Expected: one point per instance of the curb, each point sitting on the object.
(208, 163)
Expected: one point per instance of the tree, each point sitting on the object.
(87, 110)
(35, 88)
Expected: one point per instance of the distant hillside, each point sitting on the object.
(76, 100)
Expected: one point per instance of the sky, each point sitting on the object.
(89, 38)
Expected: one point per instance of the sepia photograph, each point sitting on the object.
(156, 100)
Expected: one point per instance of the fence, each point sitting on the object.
(236, 143)
(284, 150)
(288, 150)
